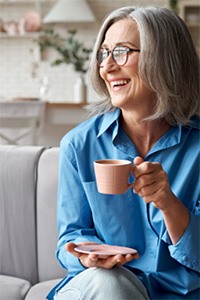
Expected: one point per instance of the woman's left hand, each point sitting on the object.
(152, 183)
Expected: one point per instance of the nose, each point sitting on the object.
(109, 64)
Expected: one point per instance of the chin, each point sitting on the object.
(116, 104)
(120, 102)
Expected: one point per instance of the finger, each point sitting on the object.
(136, 256)
(138, 160)
(111, 261)
(87, 260)
(118, 259)
(130, 257)
(70, 247)
(146, 168)
(143, 181)
(149, 190)
(92, 260)
(147, 173)
(126, 258)
(151, 184)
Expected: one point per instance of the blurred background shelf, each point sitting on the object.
(38, 123)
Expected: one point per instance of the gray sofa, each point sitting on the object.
(28, 234)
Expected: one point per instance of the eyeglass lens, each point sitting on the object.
(119, 55)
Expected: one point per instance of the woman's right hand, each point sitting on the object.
(93, 260)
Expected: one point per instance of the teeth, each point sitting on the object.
(119, 82)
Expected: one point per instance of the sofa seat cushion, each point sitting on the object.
(40, 290)
(13, 288)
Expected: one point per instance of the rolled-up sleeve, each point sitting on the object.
(186, 251)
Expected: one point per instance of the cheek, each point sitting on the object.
(133, 68)
(101, 73)
(133, 65)
(103, 77)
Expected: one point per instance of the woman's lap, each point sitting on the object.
(100, 284)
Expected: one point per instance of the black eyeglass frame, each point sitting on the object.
(108, 51)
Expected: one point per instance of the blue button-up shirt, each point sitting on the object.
(168, 271)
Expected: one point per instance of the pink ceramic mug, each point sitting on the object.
(112, 175)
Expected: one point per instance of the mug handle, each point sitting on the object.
(130, 185)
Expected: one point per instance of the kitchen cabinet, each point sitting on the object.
(190, 12)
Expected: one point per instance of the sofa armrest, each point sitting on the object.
(47, 236)
(18, 179)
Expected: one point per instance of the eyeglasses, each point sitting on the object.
(119, 55)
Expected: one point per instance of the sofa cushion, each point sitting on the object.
(41, 290)
(18, 175)
(12, 288)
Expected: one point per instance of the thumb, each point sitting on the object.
(70, 246)
(138, 160)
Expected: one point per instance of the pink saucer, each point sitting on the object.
(105, 250)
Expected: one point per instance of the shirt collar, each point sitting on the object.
(108, 119)
(174, 135)
(170, 139)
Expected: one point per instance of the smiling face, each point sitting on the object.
(126, 89)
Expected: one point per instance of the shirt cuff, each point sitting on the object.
(186, 251)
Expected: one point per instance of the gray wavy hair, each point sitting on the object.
(168, 63)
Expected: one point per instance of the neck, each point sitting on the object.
(143, 134)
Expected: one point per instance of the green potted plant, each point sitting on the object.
(174, 5)
(71, 51)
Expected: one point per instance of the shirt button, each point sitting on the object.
(195, 262)
(184, 258)
(123, 147)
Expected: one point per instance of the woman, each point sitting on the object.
(145, 66)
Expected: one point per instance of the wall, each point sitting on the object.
(16, 60)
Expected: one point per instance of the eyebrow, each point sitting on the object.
(121, 44)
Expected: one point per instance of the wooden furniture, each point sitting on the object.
(65, 113)
(29, 124)
(38, 123)
(19, 120)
